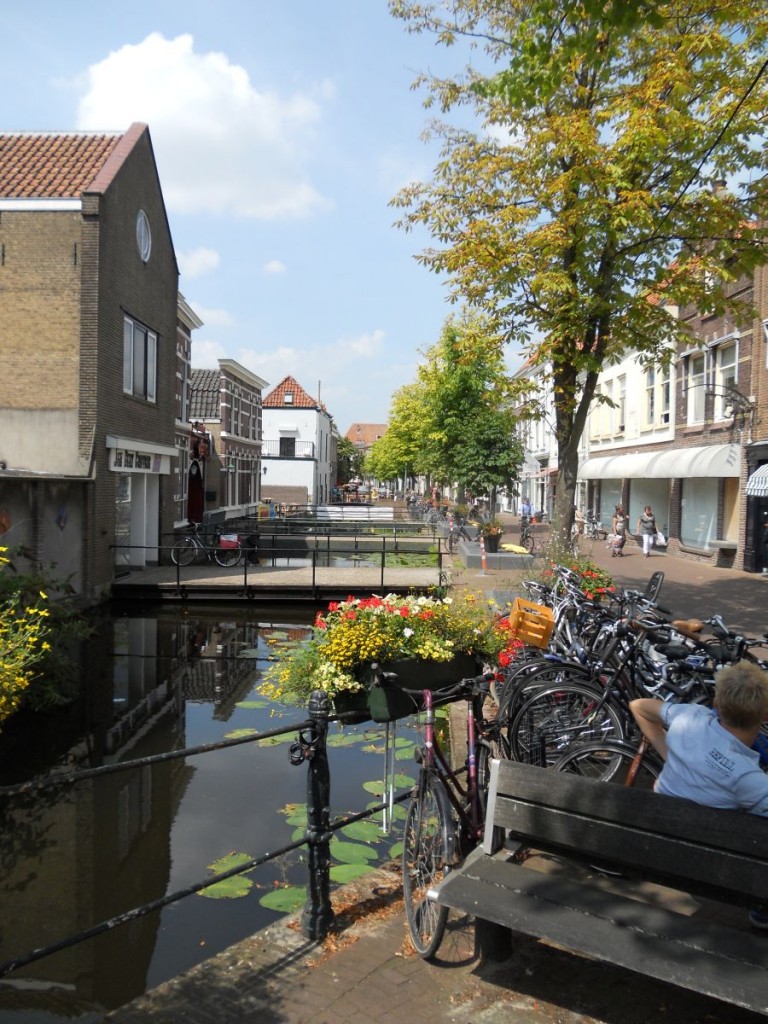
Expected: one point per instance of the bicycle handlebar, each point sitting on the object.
(471, 685)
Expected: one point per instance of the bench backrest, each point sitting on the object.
(716, 853)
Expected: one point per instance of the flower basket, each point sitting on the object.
(389, 703)
(492, 542)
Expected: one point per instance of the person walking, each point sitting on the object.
(618, 531)
(646, 527)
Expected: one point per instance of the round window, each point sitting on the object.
(143, 235)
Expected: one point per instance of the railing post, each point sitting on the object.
(317, 917)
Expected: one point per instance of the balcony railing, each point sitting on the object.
(279, 450)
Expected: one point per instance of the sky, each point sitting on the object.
(282, 129)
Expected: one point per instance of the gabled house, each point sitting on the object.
(88, 356)
(225, 444)
(299, 447)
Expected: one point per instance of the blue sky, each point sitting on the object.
(281, 131)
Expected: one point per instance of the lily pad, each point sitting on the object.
(343, 873)
(285, 899)
(343, 739)
(404, 781)
(365, 831)
(252, 704)
(351, 853)
(396, 850)
(374, 786)
(273, 741)
(237, 734)
(229, 889)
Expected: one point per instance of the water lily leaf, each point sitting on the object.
(273, 741)
(284, 899)
(252, 704)
(364, 831)
(396, 850)
(405, 754)
(229, 889)
(404, 781)
(351, 853)
(347, 739)
(237, 734)
(229, 861)
(372, 748)
(298, 833)
(251, 652)
(343, 873)
(374, 786)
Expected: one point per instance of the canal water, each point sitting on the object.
(76, 855)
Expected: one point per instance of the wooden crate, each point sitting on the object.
(533, 623)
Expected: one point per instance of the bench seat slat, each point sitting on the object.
(693, 865)
(734, 831)
(701, 956)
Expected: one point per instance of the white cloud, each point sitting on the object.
(206, 354)
(198, 262)
(365, 345)
(213, 317)
(274, 267)
(222, 146)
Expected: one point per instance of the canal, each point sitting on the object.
(72, 856)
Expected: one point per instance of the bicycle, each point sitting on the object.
(526, 534)
(445, 818)
(457, 531)
(617, 761)
(192, 546)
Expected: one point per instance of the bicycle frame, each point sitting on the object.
(465, 799)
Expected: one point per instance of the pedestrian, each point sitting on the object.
(525, 508)
(646, 527)
(765, 543)
(709, 753)
(618, 531)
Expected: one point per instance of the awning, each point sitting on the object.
(715, 460)
(615, 467)
(757, 484)
(712, 460)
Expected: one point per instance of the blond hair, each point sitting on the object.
(741, 695)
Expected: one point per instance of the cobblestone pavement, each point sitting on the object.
(365, 970)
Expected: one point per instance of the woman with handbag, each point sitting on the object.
(646, 527)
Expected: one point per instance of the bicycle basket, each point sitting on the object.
(229, 540)
(532, 623)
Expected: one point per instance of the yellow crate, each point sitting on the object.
(533, 623)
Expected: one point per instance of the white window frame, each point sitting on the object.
(650, 396)
(726, 374)
(136, 334)
(696, 386)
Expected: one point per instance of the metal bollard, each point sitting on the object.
(318, 916)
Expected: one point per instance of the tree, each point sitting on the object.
(399, 452)
(457, 423)
(593, 184)
(348, 460)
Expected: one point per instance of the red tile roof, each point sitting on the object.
(365, 434)
(290, 386)
(51, 165)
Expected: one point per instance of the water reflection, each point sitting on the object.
(73, 857)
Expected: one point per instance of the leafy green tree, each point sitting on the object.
(349, 460)
(400, 452)
(592, 182)
(470, 419)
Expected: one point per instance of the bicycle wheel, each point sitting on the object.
(611, 761)
(428, 842)
(227, 556)
(527, 542)
(184, 551)
(552, 720)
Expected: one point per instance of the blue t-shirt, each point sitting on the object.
(707, 764)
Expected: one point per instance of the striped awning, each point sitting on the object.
(757, 484)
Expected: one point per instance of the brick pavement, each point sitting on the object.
(365, 969)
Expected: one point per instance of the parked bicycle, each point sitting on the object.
(457, 531)
(226, 549)
(593, 528)
(446, 814)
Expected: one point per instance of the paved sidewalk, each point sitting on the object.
(365, 970)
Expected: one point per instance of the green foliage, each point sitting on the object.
(590, 182)
(37, 633)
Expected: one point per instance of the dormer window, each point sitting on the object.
(289, 398)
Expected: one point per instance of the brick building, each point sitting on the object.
(88, 353)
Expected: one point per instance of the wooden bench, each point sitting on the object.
(715, 854)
